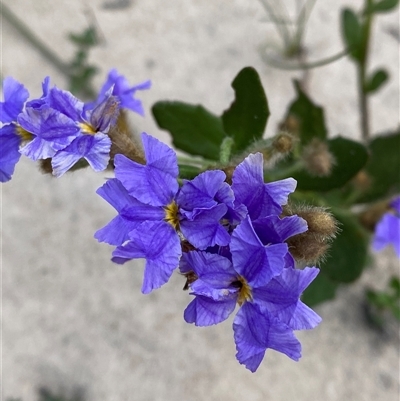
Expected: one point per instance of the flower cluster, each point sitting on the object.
(228, 240)
(387, 231)
(60, 127)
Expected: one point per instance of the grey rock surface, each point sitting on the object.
(73, 321)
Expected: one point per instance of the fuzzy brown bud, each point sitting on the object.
(319, 221)
(307, 248)
(312, 245)
(122, 141)
(317, 158)
(284, 142)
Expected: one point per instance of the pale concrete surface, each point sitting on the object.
(72, 320)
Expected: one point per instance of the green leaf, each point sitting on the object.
(309, 116)
(320, 290)
(396, 311)
(381, 6)
(350, 157)
(383, 167)
(352, 32)
(193, 129)
(394, 284)
(188, 172)
(347, 256)
(87, 38)
(246, 118)
(377, 79)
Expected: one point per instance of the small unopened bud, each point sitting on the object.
(312, 245)
(307, 248)
(319, 221)
(284, 142)
(317, 158)
(122, 141)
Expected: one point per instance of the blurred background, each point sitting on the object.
(77, 325)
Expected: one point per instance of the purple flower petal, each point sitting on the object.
(273, 229)
(9, 154)
(43, 100)
(205, 230)
(280, 190)
(256, 331)
(66, 103)
(203, 311)
(94, 148)
(215, 275)
(201, 191)
(105, 114)
(159, 244)
(38, 149)
(387, 232)
(49, 125)
(251, 259)
(154, 183)
(121, 88)
(15, 96)
(131, 213)
(260, 199)
(281, 298)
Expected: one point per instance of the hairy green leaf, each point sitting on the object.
(193, 128)
(348, 253)
(246, 118)
(381, 6)
(310, 117)
(383, 167)
(377, 79)
(352, 32)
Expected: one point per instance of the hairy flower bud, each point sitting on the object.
(317, 158)
(284, 142)
(122, 140)
(312, 245)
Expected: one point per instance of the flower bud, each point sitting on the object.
(312, 245)
(123, 142)
(284, 142)
(317, 158)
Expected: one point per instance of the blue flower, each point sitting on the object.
(11, 134)
(123, 91)
(154, 214)
(261, 279)
(387, 231)
(65, 132)
(261, 199)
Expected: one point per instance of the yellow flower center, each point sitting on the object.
(171, 215)
(245, 291)
(23, 133)
(87, 129)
